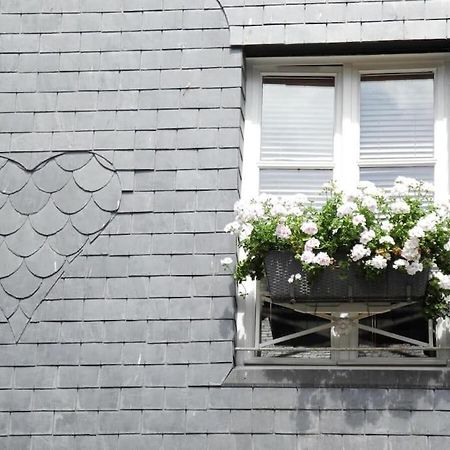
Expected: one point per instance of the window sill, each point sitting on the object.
(412, 377)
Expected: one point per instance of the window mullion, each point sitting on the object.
(347, 152)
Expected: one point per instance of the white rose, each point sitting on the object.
(309, 228)
(307, 257)
(312, 243)
(322, 259)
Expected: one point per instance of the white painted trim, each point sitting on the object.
(347, 71)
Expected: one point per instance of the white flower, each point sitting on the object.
(447, 246)
(245, 231)
(368, 187)
(232, 227)
(312, 243)
(358, 252)
(283, 231)
(279, 209)
(429, 222)
(359, 219)
(309, 228)
(414, 267)
(294, 277)
(346, 209)
(370, 203)
(400, 206)
(444, 280)
(322, 259)
(307, 257)
(300, 199)
(386, 226)
(428, 187)
(366, 236)
(410, 250)
(407, 181)
(377, 262)
(387, 240)
(399, 263)
(226, 261)
(416, 232)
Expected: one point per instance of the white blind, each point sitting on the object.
(385, 176)
(294, 181)
(298, 119)
(397, 116)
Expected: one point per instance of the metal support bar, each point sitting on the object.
(295, 335)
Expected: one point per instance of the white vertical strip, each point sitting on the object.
(441, 143)
(347, 162)
(246, 304)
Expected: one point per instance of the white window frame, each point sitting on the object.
(347, 71)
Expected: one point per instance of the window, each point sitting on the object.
(311, 120)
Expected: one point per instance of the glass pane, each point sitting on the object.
(397, 116)
(291, 181)
(385, 176)
(298, 119)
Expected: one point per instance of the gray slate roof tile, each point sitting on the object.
(9, 262)
(10, 219)
(71, 199)
(73, 161)
(93, 176)
(25, 241)
(12, 178)
(22, 283)
(34, 251)
(91, 219)
(29, 199)
(44, 262)
(49, 220)
(50, 177)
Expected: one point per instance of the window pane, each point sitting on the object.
(397, 116)
(298, 119)
(385, 176)
(288, 181)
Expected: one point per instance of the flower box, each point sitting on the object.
(368, 245)
(338, 284)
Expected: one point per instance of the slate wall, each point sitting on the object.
(128, 349)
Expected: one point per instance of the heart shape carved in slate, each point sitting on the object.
(47, 215)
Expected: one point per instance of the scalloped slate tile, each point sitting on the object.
(37, 208)
(29, 200)
(22, 283)
(12, 178)
(10, 219)
(74, 160)
(8, 304)
(9, 262)
(108, 198)
(68, 241)
(71, 198)
(49, 220)
(25, 242)
(28, 305)
(50, 177)
(104, 162)
(93, 176)
(45, 262)
(3, 199)
(91, 219)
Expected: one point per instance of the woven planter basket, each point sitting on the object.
(336, 284)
